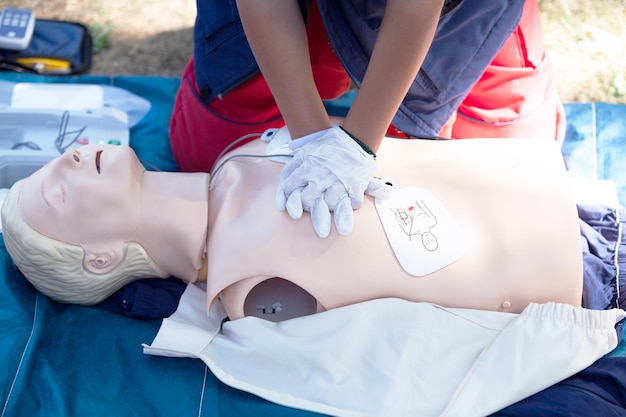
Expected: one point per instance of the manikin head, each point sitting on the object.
(63, 251)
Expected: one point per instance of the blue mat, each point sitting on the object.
(595, 143)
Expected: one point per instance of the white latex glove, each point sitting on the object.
(328, 173)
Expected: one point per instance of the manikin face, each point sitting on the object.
(430, 241)
(88, 196)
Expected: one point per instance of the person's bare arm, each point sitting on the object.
(405, 35)
(277, 35)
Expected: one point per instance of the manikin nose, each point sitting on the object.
(71, 157)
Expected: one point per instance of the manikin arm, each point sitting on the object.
(277, 36)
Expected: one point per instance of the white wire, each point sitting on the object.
(231, 146)
(217, 168)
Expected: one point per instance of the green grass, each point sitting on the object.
(586, 41)
(101, 35)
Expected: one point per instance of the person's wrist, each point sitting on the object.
(303, 140)
(312, 136)
(359, 142)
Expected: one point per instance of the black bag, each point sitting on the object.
(57, 47)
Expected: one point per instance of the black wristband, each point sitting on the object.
(361, 144)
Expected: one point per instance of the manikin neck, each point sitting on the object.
(173, 225)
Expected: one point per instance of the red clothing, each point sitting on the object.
(200, 131)
(516, 96)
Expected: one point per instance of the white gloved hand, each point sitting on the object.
(328, 173)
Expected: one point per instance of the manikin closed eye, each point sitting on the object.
(98, 154)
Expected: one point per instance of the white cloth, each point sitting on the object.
(391, 357)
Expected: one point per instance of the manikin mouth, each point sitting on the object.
(98, 154)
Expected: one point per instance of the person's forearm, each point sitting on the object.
(277, 35)
(405, 35)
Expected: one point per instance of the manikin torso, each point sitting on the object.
(509, 201)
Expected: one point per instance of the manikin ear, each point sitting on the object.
(100, 260)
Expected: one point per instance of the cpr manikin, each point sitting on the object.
(497, 215)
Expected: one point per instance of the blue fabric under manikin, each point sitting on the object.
(599, 390)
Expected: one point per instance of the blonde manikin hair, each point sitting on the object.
(55, 268)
